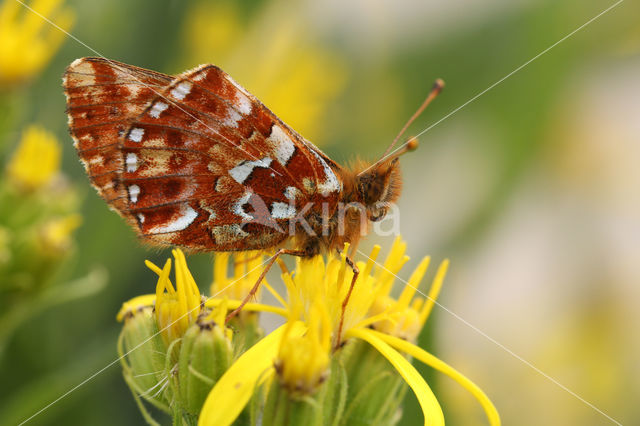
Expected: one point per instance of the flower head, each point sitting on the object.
(27, 40)
(315, 317)
(176, 308)
(349, 359)
(36, 161)
(303, 361)
(56, 233)
(245, 273)
(404, 316)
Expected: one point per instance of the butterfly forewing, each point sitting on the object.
(197, 160)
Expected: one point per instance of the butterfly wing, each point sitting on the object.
(205, 165)
(102, 96)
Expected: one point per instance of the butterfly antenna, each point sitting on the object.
(435, 90)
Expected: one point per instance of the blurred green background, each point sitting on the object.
(532, 190)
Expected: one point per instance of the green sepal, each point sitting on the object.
(142, 355)
(205, 355)
(375, 391)
(325, 407)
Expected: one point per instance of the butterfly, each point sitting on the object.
(195, 160)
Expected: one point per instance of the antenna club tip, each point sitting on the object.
(412, 143)
(438, 85)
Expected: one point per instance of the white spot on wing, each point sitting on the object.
(132, 162)
(181, 90)
(141, 218)
(282, 210)
(237, 206)
(243, 103)
(136, 134)
(186, 217)
(291, 193)
(232, 118)
(241, 172)
(331, 183)
(98, 160)
(134, 191)
(81, 73)
(157, 109)
(282, 144)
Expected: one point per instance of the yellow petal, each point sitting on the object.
(229, 396)
(414, 282)
(427, 358)
(428, 402)
(434, 291)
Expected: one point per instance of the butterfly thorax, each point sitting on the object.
(365, 198)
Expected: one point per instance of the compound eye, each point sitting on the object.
(377, 215)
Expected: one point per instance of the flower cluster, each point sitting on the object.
(27, 40)
(328, 360)
(38, 215)
(39, 209)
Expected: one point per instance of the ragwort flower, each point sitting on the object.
(27, 41)
(316, 291)
(326, 361)
(36, 161)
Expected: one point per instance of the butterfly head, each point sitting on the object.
(380, 184)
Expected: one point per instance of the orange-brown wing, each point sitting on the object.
(207, 166)
(102, 96)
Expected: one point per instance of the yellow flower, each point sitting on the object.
(316, 292)
(27, 41)
(292, 75)
(246, 270)
(303, 361)
(55, 236)
(176, 308)
(36, 161)
(405, 316)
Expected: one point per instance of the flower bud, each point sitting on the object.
(326, 405)
(143, 355)
(205, 354)
(176, 308)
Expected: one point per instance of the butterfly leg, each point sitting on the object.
(256, 286)
(345, 302)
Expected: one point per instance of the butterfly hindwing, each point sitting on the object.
(102, 96)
